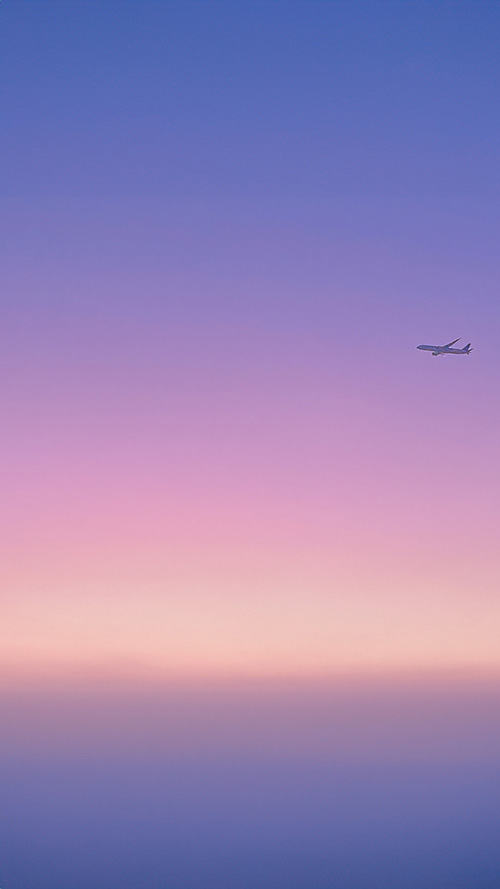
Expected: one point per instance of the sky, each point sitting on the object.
(227, 473)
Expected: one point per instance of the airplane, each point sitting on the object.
(447, 350)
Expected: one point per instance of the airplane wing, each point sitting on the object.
(452, 343)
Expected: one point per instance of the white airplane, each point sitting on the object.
(447, 350)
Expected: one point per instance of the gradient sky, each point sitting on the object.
(225, 228)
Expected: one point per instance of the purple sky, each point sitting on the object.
(226, 226)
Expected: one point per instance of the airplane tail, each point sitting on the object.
(467, 349)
